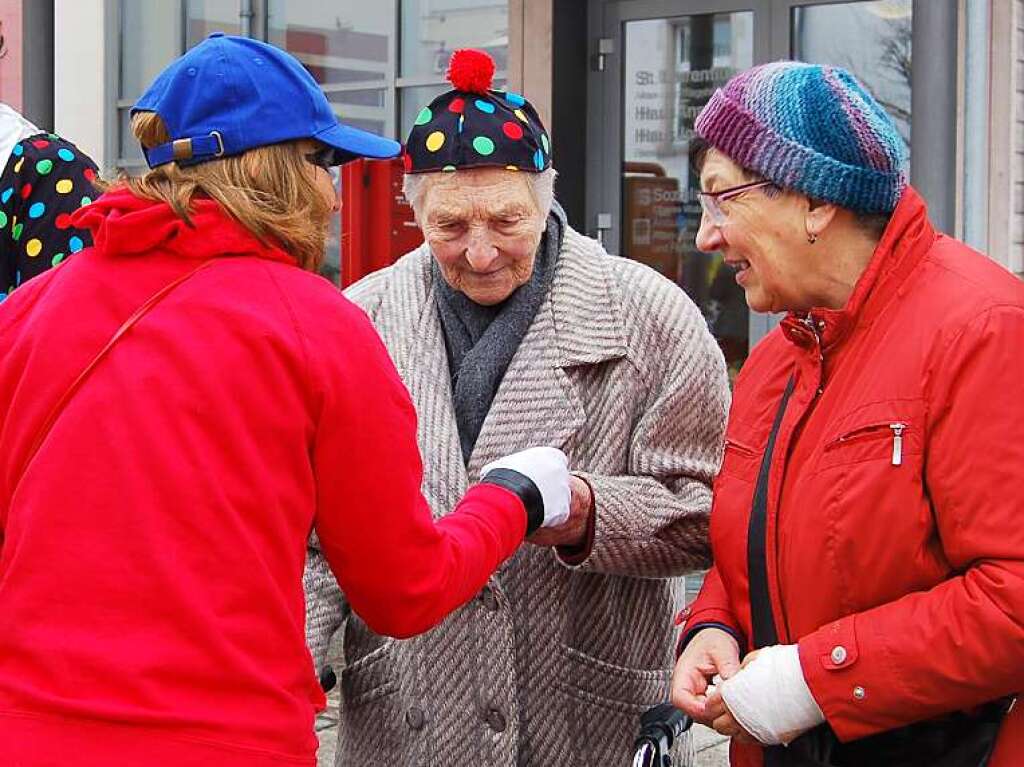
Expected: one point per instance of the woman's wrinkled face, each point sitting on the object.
(763, 239)
(483, 227)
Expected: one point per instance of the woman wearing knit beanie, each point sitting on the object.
(865, 605)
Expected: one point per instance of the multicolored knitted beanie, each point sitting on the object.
(811, 128)
(473, 126)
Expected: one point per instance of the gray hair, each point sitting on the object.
(542, 187)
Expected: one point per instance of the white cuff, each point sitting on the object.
(770, 699)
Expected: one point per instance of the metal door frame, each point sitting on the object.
(604, 97)
(934, 102)
(604, 89)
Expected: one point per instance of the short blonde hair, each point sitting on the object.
(268, 190)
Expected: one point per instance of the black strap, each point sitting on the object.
(763, 622)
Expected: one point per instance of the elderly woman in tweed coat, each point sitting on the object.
(511, 329)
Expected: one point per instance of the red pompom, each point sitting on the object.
(471, 71)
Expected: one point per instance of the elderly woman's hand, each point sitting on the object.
(573, 532)
(711, 652)
(722, 720)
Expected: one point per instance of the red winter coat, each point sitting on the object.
(151, 554)
(912, 563)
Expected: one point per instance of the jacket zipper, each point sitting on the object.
(815, 329)
(871, 431)
(897, 442)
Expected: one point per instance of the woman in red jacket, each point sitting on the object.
(180, 406)
(869, 555)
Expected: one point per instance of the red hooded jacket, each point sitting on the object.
(907, 555)
(151, 551)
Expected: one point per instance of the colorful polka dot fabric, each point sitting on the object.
(45, 181)
(474, 126)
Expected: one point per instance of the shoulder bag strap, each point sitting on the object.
(764, 630)
(62, 403)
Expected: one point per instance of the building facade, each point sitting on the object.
(618, 82)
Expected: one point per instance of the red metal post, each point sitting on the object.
(377, 224)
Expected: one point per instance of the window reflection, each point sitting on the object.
(150, 40)
(433, 29)
(347, 47)
(208, 16)
(871, 39)
(671, 68)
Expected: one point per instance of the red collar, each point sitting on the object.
(125, 225)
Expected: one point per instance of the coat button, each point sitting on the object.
(496, 720)
(489, 599)
(328, 679)
(839, 655)
(858, 692)
(415, 719)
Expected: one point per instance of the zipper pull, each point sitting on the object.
(897, 442)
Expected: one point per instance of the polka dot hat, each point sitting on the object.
(473, 126)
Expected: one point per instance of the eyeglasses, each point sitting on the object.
(711, 202)
(329, 159)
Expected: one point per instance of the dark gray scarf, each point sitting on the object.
(481, 340)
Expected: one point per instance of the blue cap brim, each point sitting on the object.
(358, 143)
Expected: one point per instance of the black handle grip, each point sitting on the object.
(660, 727)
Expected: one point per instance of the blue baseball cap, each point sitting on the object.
(231, 94)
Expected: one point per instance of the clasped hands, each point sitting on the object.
(573, 532)
(712, 653)
(764, 699)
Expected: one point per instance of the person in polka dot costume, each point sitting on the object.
(46, 179)
(473, 126)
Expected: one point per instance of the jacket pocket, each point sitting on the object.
(867, 508)
(886, 432)
(369, 678)
(598, 682)
(741, 460)
(604, 702)
(374, 723)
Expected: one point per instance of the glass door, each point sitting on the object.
(670, 69)
(666, 60)
(655, 63)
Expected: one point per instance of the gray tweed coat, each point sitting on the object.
(552, 664)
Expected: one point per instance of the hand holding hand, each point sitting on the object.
(768, 699)
(547, 468)
(712, 652)
(572, 532)
(722, 720)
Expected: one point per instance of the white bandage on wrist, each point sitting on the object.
(770, 699)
